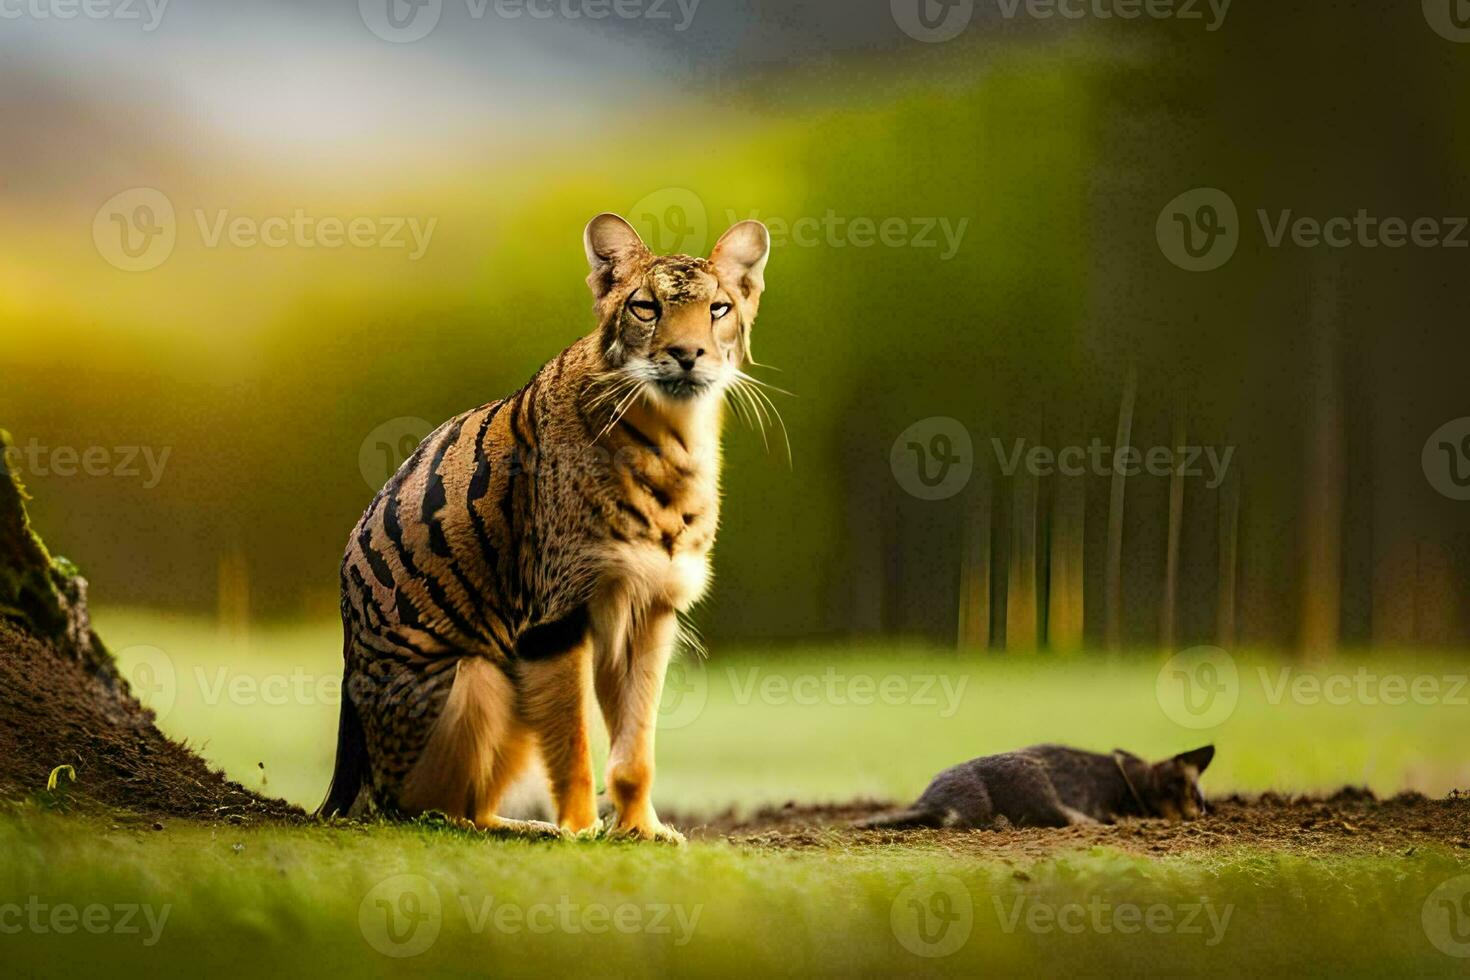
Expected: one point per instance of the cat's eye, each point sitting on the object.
(719, 310)
(644, 310)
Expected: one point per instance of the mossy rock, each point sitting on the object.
(44, 593)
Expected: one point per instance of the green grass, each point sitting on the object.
(833, 723)
(305, 902)
(787, 725)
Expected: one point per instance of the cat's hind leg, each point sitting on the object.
(476, 748)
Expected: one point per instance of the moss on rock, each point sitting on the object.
(46, 594)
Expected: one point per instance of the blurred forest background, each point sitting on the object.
(273, 376)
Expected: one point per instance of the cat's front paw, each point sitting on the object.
(648, 828)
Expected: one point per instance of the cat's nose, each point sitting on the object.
(686, 356)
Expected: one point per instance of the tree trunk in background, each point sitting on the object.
(1114, 584)
(1436, 600)
(866, 536)
(1395, 567)
(1229, 557)
(1021, 618)
(1169, 620)
(1065, 581)
(974, 612)
(1321, 582)
(232, 614)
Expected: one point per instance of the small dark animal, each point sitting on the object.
(1054, 786)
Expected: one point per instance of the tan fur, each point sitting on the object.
(543, 545)
(552, 698)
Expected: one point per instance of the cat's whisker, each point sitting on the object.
(690, 638)
(763, 384)
(738, 407)
(751, 386)
(621, 409)
(757, 416)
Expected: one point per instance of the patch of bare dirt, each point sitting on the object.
(1351, 820)
(65, 709)
(57, 709)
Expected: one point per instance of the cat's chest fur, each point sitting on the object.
(663, 504)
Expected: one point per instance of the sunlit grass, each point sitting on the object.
(829, 722)
(242, 901)
(748, 726)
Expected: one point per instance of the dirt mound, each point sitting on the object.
(55, 712)
(63, 703)
(1351, 820)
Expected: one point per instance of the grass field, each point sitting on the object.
(810, 724)
(268, 902)
(831, 723)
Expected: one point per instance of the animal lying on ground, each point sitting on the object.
(542, 546)
(1056, 786)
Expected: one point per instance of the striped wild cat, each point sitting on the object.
(541, 546)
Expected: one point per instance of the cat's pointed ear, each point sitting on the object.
(613, 248)
(739, 258)
(1134, 769)
(1198, 758)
